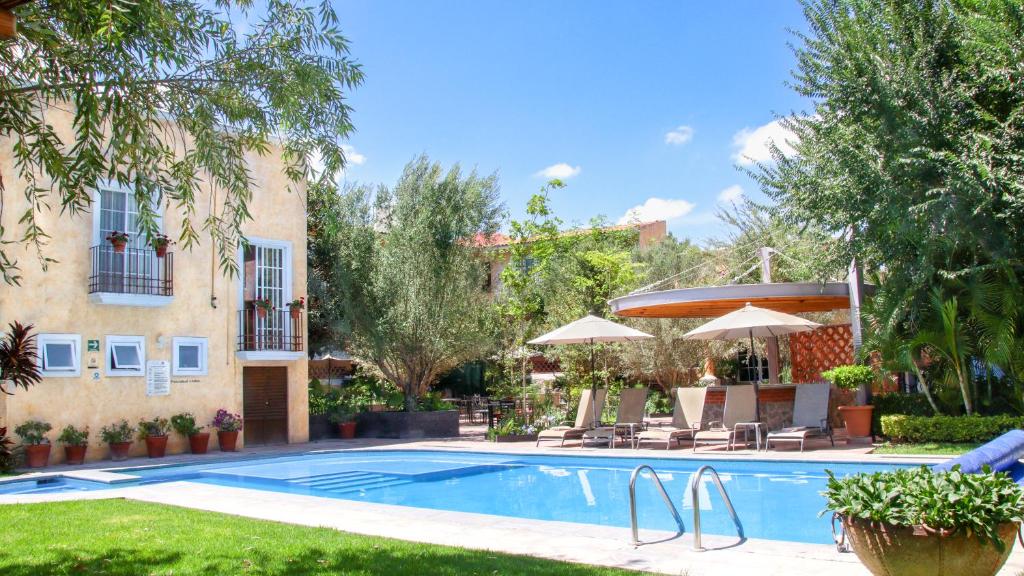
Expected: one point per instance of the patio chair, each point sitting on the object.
(584, 419)
(810, 416)
(686, 418)
(739, 413)
(628, 417)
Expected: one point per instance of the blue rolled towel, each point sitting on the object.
(1000, 454)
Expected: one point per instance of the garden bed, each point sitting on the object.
(516, 438)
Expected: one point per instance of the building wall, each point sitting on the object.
(57, 301)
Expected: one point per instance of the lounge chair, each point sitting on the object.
(810, 416)
(584, 419)
(628, 418)
(686, 417)
(740, 409)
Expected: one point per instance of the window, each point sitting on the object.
(136, 267)
(60, 354)
(189, 356)
(126, 356)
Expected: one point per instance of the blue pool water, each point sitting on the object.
(774, 500)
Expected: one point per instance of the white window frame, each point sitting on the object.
(287, 295)
(204, 347)
(97, 201)
(120, 340)
(76, 354)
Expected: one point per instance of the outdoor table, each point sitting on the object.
(746, 426)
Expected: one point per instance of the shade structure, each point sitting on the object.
(750, 322)
(591, 330)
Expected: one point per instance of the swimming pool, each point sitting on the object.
(775, 500)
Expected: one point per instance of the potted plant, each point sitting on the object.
(513, 429)
(263, 307)
(295, 307)
(345, 417)
(227, 425)
(916, 522)
(119, 240)
(160, 243)
(75, 442)
(36, 444)
(154, 432)
(857, 417)
(185, 424)
(119, 437)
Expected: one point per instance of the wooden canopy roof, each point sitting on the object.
(714, 301)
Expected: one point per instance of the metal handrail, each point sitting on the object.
(664, 496)
(695, 497)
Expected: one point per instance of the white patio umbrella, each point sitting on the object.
(591, 330)
(750, 322)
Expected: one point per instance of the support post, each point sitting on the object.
(771, 344)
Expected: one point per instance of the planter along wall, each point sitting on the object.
(440, 424)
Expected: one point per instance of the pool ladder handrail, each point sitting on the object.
(695, 497)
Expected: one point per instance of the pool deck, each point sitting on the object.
(607, 546)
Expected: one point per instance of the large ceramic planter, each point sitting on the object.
(119, 450)
(156, 446)
(199, 443)
(227, 440)
(37, 455)
(347, 430)
(888, 550)
(74, 454)
(857, 420)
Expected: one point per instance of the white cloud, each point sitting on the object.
(562, 171)
(353, 157)
(731, 195)
(657, 209)
(752, 144)
(679, 136)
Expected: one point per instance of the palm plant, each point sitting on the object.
(18, 358)
(949, 338)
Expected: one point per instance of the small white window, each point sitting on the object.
(189, 356)
(126, 356)
(59, 354)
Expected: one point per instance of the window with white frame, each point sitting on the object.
(126, 356)
(60, 355)
(189, 357)
(118, 211)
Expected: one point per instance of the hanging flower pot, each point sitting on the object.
(119, 240)
(295, 307)
(263, 307)
(160, 244)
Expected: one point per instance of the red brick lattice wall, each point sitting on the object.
(811, 353)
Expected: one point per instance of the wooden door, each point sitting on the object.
(265, 405)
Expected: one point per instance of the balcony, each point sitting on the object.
(274, 336)
(133, 277)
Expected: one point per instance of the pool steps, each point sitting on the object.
(350, 481)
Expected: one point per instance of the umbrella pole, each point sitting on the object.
(757, 381)
(593, 384)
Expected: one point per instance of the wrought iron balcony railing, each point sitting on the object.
(276, 331)
(131, 271)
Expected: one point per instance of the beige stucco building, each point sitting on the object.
(110, 325)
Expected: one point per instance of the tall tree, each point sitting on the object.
(409, 274)
(166, 94)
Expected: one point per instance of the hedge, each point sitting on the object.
(897, 403)
(902, 428)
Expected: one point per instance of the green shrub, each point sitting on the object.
(157, 427)
(8, 452)
(33, 432)
(71, 436)
(977, 503)
(850, 377)
(185, 424)
(432, 402)
(897, 403)
(901, 428)
(117, 432)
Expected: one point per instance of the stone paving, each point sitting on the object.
(608, 546)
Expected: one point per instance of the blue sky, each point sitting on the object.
(633, 103)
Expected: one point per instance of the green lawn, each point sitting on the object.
(122, 538)
(926, 449)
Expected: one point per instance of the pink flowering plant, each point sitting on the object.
(225, 421)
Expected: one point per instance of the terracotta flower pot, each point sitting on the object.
(857, 419)
(261, 312)
(156, 446)
(119, 246)
(119, 450)
(199, 442)
(161, 250)
(295, 313)
(74, 454)
(37, 455)
(888, 550)
(227, 440)
(347, 429)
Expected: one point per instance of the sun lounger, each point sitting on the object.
(628, 418)
(810, 416)
(686, 418)
(584, 419)
(739, 414)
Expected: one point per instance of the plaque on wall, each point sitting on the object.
(158, 378)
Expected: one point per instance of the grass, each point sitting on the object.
(122, 538)
(926, 449)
